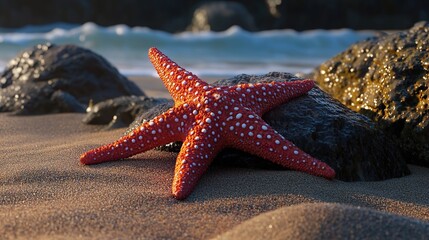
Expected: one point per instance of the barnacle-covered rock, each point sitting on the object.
(386, 78)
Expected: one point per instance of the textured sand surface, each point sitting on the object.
(328, 221)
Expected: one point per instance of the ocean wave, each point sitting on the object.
(207, 53)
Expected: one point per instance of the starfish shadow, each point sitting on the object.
(152, 160)
(224, 182)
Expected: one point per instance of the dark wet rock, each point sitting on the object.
(387, 79)
(59, 78)
(321, 126)
(219, 16)
(121, 111)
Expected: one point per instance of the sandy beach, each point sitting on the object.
(46, 194)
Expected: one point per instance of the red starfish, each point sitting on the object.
(208, 118)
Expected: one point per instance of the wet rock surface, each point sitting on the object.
(219, 16)
(59, 78)
(321, 126)
(386, 78)
(121, 111)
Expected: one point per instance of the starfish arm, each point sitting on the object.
(182, 84)
(165, 128)
(262, 97)
(258, 138)
(198, 151)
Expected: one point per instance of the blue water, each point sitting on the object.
(209, 54)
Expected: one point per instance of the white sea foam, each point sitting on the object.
(226, 53)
